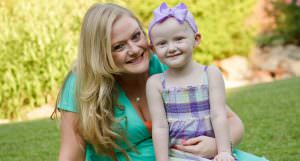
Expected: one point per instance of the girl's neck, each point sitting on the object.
(184, 70)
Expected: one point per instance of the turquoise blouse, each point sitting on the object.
(136, 133)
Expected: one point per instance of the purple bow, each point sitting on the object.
(179, 12)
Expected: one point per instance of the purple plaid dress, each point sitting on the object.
(188, 114)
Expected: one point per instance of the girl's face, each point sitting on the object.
(129, 46)
(174, 42)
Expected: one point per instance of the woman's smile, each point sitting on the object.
(136, 60)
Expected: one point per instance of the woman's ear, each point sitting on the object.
(197, 39)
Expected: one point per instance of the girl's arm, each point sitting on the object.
(72, 146)
(218, 109)
(160, 128)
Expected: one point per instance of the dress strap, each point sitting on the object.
(205, 68)
(163, 80)
(206, 75)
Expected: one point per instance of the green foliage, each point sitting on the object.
(222, 25)
(287, 16)
(38, 42)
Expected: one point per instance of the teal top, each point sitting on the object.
(136, 131)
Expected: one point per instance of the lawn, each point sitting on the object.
(269, 112)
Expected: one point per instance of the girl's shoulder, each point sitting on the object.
(154, 81)
(155, 78)
(212, 67)
(213, 71)
(215, 77)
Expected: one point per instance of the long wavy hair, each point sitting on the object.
(95, 70)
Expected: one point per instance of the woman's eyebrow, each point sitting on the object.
(136, 31)
(133, 33)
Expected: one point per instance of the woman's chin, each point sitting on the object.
(137, 69)
(138, 66)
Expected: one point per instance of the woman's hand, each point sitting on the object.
(203, 146)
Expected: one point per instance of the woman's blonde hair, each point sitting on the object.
(95, 70)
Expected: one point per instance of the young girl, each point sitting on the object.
(187, 100)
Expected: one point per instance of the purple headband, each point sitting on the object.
(179, 12)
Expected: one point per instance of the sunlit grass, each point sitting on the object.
(29, 141)
(270, 113)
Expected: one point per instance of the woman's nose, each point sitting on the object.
(133, 48)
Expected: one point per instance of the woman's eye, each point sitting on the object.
(136, 36)
(119, 47)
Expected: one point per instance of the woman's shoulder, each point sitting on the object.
(67, 99)
(155, 66)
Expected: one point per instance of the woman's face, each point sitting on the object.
(129, 46)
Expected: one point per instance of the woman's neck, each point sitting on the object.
(132, 80)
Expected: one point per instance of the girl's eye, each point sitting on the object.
(161, 43)
(118, 47)
(136, 37)
(179, 38)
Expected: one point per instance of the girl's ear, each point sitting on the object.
(197, 39)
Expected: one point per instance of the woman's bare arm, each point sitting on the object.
(235, 125)
(72, 146)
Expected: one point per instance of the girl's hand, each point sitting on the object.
(224, 156)
(203, 146)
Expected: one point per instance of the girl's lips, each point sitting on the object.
(172, 56)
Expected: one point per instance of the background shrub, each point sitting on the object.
(286, 14)
(222, 25)
(38, 42)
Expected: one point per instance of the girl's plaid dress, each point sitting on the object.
(188, 114)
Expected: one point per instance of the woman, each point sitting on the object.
(104, 113)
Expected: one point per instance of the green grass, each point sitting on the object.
(29, 141)
(269, 112)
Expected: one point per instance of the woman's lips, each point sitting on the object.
(136, 60)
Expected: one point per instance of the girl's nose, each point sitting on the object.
(171, 48)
